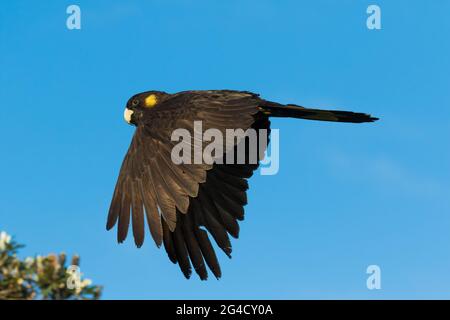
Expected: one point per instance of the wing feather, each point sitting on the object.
(193, 246)
(151, 211)
(181, 252)
(137, 214)
(124, 215)
(168, 242)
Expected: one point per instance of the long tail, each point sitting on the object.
(294, 111)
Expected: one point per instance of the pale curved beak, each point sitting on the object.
(127, 115)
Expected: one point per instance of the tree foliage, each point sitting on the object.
(41, 277)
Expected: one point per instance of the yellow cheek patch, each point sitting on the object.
(151, 101)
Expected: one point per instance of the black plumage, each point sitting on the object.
(186, 204)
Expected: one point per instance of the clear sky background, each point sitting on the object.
(346, 196)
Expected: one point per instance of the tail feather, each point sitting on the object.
(294, 111)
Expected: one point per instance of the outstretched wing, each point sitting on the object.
(217, 209)
(179, 200)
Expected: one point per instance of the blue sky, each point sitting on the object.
(347, 196)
